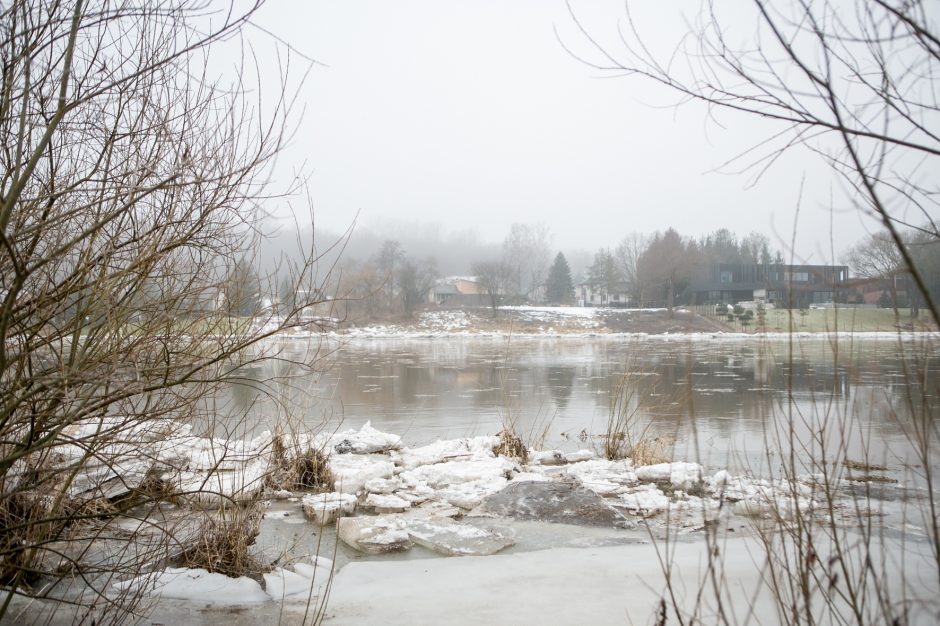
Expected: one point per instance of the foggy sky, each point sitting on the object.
(472, 116)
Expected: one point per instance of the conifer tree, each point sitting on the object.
(559, 288)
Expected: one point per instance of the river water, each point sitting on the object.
(723, 402)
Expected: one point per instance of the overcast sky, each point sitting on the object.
(472, 114)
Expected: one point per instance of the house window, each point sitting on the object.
(796, 277)
(725, 276)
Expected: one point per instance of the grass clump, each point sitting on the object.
(511, 445)
(303, 469)
(223, 544)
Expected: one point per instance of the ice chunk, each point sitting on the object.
(470, 494)
(446, 450)
(603, 476)
(387, 503)
(382, 485)
(197, 585)
(546, 457)
(530, 476)
(580, 455)
(351, 472)
(644, 500)
(441, 475)
(372, 535)
(454, 539)
(323, 508)
(365, 440)
(684, 476)
(282, 583)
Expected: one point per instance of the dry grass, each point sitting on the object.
(224, 542)
(648, 451)
(299, 469)
(511, 445)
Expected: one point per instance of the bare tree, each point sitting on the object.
(494, 276)
(527, 254)
(627, 253)
(129, 191)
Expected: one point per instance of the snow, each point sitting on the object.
(323, 508)
(351, 472)
(683, 476)
(387, 503)
(364, 441)
(198, 585)
(644, 500)
(440, 451)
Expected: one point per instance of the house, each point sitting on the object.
(788, 286)
(458, 291)
(587, 294)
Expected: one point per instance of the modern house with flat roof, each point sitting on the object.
(788, 286)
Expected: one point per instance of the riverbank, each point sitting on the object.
(593, 322)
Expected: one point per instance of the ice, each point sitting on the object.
(323, 508)
(446, 450)
(382, 485)
(454, 539)
(531, 476)
(644, 500)
(470, 494)
(282, 584)
(351, 472)
(580, 455)
(372, 535)
(240, 483)
(603, 476)
(546, 457)
(451, 473)
(684, 476)
(387, 503)
(198, 585)
(366, 440)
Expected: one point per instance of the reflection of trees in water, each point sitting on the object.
(560, 381)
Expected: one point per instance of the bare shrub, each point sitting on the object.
(130, 292)
(299, 468)
(511, 445)
(223, 544)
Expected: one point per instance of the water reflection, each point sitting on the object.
(718, 398)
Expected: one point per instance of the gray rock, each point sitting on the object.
(560, 502)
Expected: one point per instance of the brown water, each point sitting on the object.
(724, 402)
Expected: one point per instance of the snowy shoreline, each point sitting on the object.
(447, 497)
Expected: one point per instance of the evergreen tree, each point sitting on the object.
(559, 289)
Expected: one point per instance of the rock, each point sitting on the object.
(454, 539)
(323, 508)
(387, 503)
(372, 535)
(559, 502)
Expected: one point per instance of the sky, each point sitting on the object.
(473, 115)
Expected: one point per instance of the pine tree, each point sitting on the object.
(559, 289)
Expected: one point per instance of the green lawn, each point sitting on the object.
(823, 320)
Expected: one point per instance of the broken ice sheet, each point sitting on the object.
(455, 539)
